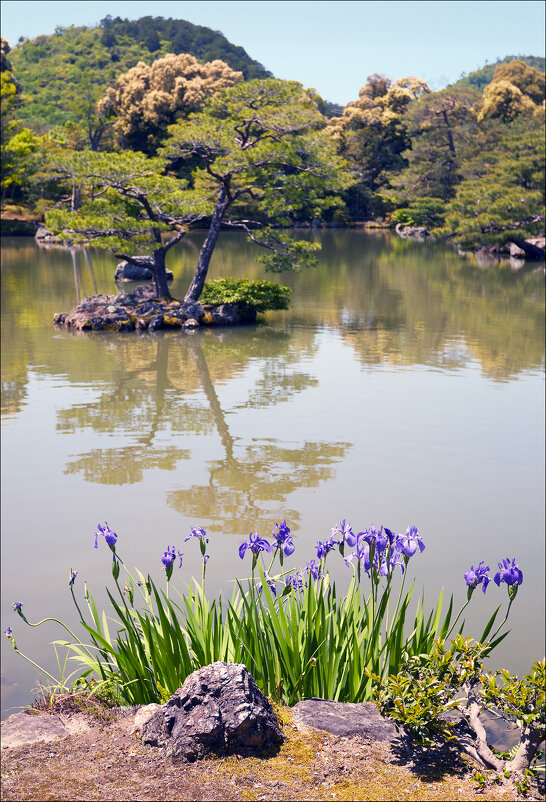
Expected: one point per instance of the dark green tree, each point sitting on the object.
(123, 202)
(502, 192)
(260, 149)
(371, 134)
(440, 126)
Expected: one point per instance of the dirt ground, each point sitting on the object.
(106, 761)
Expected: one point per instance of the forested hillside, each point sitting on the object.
(59, 73)
(466, 162)
(480, 78)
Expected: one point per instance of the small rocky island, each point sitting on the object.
(141, 310)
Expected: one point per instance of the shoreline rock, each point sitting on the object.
(412, 232)
(142, 311)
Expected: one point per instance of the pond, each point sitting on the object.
(405, 386)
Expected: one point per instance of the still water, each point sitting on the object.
(404, 387)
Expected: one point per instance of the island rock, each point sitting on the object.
(126, 271)
(141, 310)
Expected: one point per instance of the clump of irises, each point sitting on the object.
(298, 636)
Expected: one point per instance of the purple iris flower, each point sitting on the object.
(476, 576)
(324, 546)
(375, 537)
(295, 580)
(344, 529)
(283, 538)
(170, 556)
(255, 543)
(410, 542)
(397, 559)
(390, 535)
(509, 572)
(8, 632)
(197, 531)
(270, 584)
(313, 570)
(17, 606)
(107, 534)
(362, 554)
(73, 575)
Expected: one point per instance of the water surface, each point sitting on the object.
(405, 386)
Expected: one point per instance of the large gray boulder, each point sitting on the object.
(218, 707)
(126, 271)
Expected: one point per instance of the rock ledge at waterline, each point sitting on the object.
(141, 310)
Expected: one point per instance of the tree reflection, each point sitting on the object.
(406, 303)
(252, 481)
(166, 392)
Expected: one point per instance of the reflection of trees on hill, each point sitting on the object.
(153, 398)
(250, 484)
(14, 394)
(406, 303)
(125, 465)
(393, 302)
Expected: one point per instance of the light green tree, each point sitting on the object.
(17, 144)
(372, 136)
(147, 98)
(516, 89)
(259, 148)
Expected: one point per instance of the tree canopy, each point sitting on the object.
(147, 98)
(123, 202)
(148, 86)
(259, 147)
(501, 194)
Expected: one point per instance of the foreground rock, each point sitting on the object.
(141, 310)
(530, 248)
(218, 707)
(346, 719)
(25, 728)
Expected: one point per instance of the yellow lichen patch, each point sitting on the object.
(291, 767)
(172, 322)
(315, 765)
(207, 319)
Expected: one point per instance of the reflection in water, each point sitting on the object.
(78, 280)
(252, 480)
(124, 465)
(418, 302)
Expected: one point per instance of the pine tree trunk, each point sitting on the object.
(198, 282)
(160, 274)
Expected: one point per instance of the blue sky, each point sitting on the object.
(331, 46)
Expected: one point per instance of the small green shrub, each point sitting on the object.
(428, 212)
(259, 296)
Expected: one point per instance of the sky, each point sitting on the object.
(330, 46)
